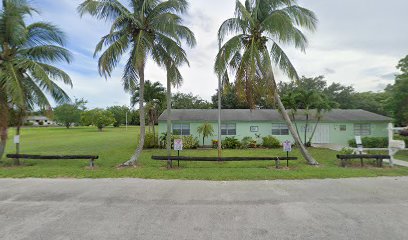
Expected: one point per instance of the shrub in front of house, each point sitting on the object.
(248, 142)
(270, 142)
(230, 143)
(371, 142)
(214, 143)
(190, 142)
(151, 140)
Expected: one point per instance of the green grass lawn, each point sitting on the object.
(115, 146)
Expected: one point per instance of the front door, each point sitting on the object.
(322, 134)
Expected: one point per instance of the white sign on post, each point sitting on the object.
(17, 139)
(287, 146)
(359, 143)
(178, 144)
(358, 140)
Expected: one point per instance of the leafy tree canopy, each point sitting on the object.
(189, 101)
(97, 117)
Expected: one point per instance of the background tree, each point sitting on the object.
(258, 29)
(146, 29)
(189, 101)
(307, 94)
(70, 113)
(119, 113)
(97, 117)
(398, 101)
(27, 55)
(205, 130)
(155, 98)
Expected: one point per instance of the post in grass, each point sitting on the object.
(178, 146)
(287, 147)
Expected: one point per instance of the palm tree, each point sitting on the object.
(259, 28)
(154, 98)
(144, 28)
(206, 130)
(27, 53)
(152, 91)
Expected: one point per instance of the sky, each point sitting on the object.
(357, 43)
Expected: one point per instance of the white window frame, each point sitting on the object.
(184, 129)
(362, 129)
(280, 129)
(228, 129)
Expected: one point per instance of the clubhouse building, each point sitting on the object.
(335, 127)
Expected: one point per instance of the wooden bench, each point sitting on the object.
(379, 158)
(225, 159)
(91, 158)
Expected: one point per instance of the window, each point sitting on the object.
(362, 129)
(182, 129)
(229, 129)
(280, 129)
(254, 128)
(343, 128)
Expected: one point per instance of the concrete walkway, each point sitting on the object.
(398, 162)
(35, 209)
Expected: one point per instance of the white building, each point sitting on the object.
(39, 121)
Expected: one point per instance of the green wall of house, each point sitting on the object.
(327, 132)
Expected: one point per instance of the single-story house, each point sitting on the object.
(39, 121)
(335, 127)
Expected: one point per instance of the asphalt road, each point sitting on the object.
(62, 209)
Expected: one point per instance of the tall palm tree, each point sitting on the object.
(142, 28)
(27, 53)
(259, 28)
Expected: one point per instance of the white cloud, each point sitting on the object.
(357, 43)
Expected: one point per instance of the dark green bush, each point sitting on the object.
(271, 142)
(230, 143)
(371, 142)
(246, 142)
(151, 140)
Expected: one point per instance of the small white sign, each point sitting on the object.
(287, 146)
(17, 139)
(178, 144)
(358, 140)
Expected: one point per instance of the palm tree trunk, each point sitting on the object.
(292, 130)
(154, 133)
(219, 118)
(17, 160)
(314, 130)
(294, 122)
(139, 149)
(3, 125)
(306, 126)
(168, 112)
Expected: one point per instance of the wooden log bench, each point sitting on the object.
(225, 159)
(348, 157)
(91, 158)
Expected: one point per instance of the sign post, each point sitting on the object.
(287, 147)
(178, 146)
(359, 144)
